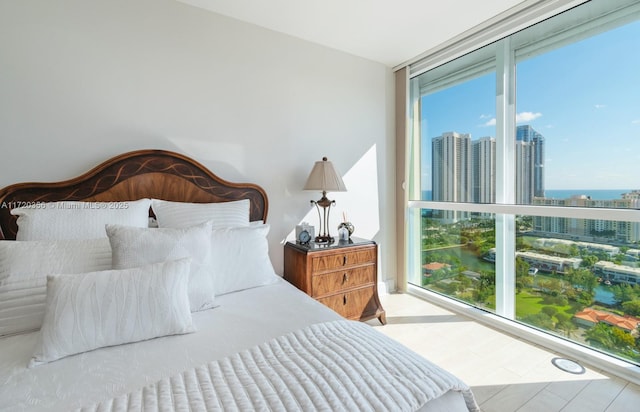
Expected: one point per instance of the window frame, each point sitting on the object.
(512, 48)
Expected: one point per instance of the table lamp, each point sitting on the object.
(324, 177)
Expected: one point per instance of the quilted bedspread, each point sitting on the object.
(334, 366)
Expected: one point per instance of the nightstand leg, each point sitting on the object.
(383, 318)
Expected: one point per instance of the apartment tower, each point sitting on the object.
(531, 155)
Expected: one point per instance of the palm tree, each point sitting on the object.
(565, 325)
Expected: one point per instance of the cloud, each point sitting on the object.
(637, 121)
(485, 116)
(520, 118)
(527, 116)
(490, 122)
(599, 106)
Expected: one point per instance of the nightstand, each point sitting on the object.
(341, 275)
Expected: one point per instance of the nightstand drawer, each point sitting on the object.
(341, 260)
(353, 305)
(333, 282)
(342, 276)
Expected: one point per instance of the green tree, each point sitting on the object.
(611, 338)
(551, 286)
(562, 317)
(624, 292)
(487, 278)
(541, 320)
(574, 251)
(600, 335)
(549, 310)
(565, 325)
(584, 298)
(560, 300)
(582, 279)
(588, 261)
(524, 282)
(450, 288)
(624, 341)
(522, 267)
(632, 307)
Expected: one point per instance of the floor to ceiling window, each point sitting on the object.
(526, 178)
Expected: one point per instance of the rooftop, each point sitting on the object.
(628, 323)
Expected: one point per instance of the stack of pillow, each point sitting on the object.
(93, 274)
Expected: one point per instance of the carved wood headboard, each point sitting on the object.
(135, 175)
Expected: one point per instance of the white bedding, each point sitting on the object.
(241, 321)
(342, 365)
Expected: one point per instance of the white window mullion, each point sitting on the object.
(413, 187)
(505, 181)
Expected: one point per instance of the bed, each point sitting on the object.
(102, 323)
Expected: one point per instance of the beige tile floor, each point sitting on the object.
(506, 374)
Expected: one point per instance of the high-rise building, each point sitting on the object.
(451, 172)
(535, 142)
(451, 167)
(483, 170)
(465, 171)
(589, 229)
(524, 172)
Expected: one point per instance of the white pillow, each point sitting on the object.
(98, 309)
(78, 220)
(133, 247)
(178, 214)
(24, 266)
(240, 258)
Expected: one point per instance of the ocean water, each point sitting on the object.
(594, 194)
(608, 194)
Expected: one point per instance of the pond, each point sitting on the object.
(469, 259)
(604, 295)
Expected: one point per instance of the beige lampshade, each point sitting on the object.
(324, 177)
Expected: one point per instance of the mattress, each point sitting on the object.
(241, 321)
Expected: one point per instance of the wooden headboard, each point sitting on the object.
(135, 175)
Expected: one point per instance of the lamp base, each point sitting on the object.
(324, 239)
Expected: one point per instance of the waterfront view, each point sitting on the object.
(516, 162)
(583, 291)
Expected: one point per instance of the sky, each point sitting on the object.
(583, 98)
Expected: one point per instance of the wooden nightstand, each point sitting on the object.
(341, 275)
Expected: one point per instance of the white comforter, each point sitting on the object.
(332, 366)
(242, 321)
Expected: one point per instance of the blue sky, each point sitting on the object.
(583, 98)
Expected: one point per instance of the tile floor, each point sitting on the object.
(505, 373)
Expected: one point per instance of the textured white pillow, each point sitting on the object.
(178, 214)
(133, 247)
(98, 309)
(240, 258)
(78, 220)
(24, 266)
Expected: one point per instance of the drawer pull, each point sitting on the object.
(344, 260)
(344, 300)
(345, 278)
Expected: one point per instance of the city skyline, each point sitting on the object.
(465, 171)
(565, 95)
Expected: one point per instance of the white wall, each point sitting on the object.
(81, 81)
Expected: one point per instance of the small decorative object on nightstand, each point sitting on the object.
(304, 233)
(343, 234)
(346, 225)
(341, 275)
